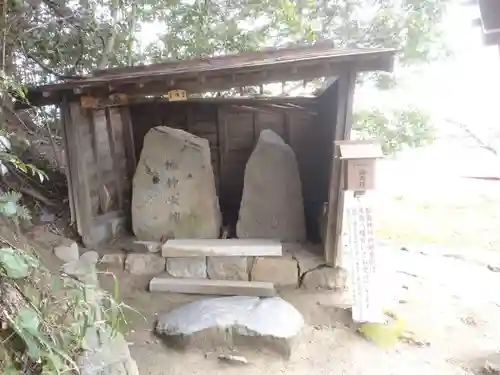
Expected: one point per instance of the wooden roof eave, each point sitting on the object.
(214, 79)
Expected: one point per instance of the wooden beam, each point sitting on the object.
(328, 83)
(114, 158)
(65, 119)
(345, 94)
(183, 248)
(212, 287)
(128, 138)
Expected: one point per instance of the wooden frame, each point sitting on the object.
(333, 241)
(92, 172)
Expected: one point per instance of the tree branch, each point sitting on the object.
(47, 68)
(474, 136)
(103, 64)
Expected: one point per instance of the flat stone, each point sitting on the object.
(227, 268)
(281, 271)
(144, 264)
(216, 323)
(190, 268)
(325, 277)
(113, 260)
(67, 250)
(174, 192)
(272, 205)
(105, 354)
(90, 257)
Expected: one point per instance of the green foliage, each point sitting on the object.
(62, 38)
(47, 321)
(384, 335)
(11, 208)
(396, 129)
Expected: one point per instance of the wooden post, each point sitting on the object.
(65, 117)
(333, 242)
(128, 138)
(114, 158)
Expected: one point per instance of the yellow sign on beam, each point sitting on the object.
(177, 95)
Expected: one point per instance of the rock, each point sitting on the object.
(90, 257)
(215, 323)
(190, 268)
(144, 264)
(105, 354)
(282, 271)
(272, 204)
(47, 217)
(81, 270)
(308, 257)
(174, 192)
(113, 259)
(325, 277)
(227, 268)
(67, 250)
(146, 246)
(492, 364)
(232, 359)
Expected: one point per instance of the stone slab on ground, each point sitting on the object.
(190, 268)
(324, 277)
(144, 264)
(174, 192)
(228, 268)
(215, 323)
(106, 354)
(272, 204)
(212, 287)
(281, 271)
(67, 250)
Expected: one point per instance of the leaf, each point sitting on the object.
(10, 370)
(13, 263)
(384, 335)
(28, 320)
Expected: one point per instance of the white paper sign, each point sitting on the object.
(367, 306)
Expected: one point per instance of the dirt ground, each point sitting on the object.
(448, 300)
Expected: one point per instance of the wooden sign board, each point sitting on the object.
(366, 304)
(177, 95)
(360, 159)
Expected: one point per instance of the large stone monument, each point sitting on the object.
(174, 193)
(272, 204)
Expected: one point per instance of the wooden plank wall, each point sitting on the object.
(100, 176)
(106, 161)
(232, 132)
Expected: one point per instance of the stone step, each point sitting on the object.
(213, 287)
(183, 248)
